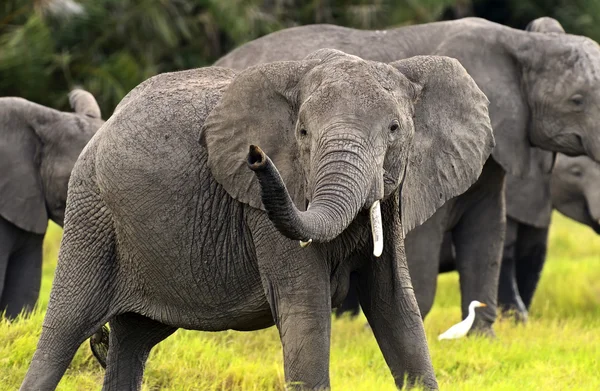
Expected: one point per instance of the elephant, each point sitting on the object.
(529, 203)
(186, 209)
(38, 148)
(542, 91)
(573, 189)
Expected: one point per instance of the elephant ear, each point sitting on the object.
(453, 136)
(528, 198)
(545, 25)
(259, 107)
(84, 103)
(22, 199)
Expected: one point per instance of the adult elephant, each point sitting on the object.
(38, 148)
(176, 217)
(542, 90)
(529, 203)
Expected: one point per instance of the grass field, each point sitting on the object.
(559, 349)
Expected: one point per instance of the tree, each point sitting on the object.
(110, 46)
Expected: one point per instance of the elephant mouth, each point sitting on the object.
(388, 179)
(376, 228)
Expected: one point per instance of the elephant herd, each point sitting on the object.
(315, 168)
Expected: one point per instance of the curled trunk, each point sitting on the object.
(341, 189)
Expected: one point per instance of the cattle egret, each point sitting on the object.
(461, 329)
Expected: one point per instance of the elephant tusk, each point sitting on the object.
(376, 228)
(304, 244)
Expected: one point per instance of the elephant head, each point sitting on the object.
(542, 85)
(545, 25)
(333, 134)
(561, 88)
(38, 149)
(575, 189)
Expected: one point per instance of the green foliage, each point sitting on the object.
(110, 46)
(113, 45)
(577, 16)
(558, 349)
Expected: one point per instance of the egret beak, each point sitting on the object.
(482, 305)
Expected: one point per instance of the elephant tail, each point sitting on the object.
(99, 345)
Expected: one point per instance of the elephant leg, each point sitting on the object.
(351, 303)
(9, 234)
(423, 246)
(83, 290)
(389, 303)
(4, 259)
(132, 336)
(297, 287)
(23, 276)
(478, 237)
(509, 299)
(531, 256)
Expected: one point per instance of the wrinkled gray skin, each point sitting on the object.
(573, 190)
(173, 222)
(529, 205)
(38, 148)
(542, 88)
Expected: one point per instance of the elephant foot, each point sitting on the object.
(482, 328)
(514, 313)
(99, 345)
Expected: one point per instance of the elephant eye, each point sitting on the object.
(303, 132)
(577, 100)
(394, 126)
(576, 171)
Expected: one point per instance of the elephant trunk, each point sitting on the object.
(592, 148)
(340, 191)
(592, 198)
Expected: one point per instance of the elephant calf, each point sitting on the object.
(186, 209)
(38, 148)
(574, 190)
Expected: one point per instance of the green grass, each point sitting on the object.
(559, 349)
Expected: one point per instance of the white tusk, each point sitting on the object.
(304, 244)
(376, 228)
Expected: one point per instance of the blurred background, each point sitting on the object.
(110, 46)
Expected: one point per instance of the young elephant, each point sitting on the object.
(574, 190)
(177, 218)
(38, 148)
(542, 90)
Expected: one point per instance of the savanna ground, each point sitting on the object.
(559, 349)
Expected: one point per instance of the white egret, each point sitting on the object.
(461, 329)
